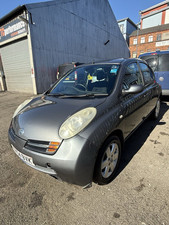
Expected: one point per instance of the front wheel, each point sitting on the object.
(107, 161)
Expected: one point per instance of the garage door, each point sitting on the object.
(16, 64)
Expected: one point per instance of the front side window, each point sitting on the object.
(132, 76)
(147, 73)
(87, 80)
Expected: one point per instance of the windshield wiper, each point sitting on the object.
(96, 95)
(56, 94)
(77, 96)
(91, 95)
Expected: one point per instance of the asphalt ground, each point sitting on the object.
(139, 195)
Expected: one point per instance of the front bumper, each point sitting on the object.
(73, 162)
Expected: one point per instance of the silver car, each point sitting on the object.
(76, 130)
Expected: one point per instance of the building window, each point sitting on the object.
(148, 50)
(142, 40)
(150, 39)
(141, 52)
(158, 37)
(134, 41)
(134, 55)
(121, 28)
(165, 36)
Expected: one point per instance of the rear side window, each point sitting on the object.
(163, 62)
(132, 76)
(147, 73)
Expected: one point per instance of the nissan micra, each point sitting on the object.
(76, 130)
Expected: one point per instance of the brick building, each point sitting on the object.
(153, 34)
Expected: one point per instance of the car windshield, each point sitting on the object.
(92, 80)
(152, 60)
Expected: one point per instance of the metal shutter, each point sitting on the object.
(16, 64)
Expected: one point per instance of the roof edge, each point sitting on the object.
(155, 6)
(128, 19)
(12, 14)
(148, 30)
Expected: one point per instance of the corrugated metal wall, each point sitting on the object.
(16, 64)
(66, 31)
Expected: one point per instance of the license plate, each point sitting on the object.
(27, 159)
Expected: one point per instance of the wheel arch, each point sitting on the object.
(117, 133)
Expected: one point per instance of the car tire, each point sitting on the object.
(107, 161)
(156, 111)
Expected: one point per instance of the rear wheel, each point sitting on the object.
(107, 161)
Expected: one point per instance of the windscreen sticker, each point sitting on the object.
(113, 70)
(89, 77)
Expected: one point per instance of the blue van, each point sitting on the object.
(159, 62)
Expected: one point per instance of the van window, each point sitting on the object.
(163, 62)
(152, 61)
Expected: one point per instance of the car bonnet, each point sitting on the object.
(43, 116)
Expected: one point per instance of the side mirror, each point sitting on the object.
(134, 89)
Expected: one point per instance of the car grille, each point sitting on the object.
(42, 146)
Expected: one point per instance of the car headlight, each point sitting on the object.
(20, 107)
(77, 122)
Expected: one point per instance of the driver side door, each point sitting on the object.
(134, 104)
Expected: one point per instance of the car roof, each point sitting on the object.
(113, 61)
(154, 53)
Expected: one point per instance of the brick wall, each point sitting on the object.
(147, 46)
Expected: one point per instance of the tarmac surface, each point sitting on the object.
(139, 195)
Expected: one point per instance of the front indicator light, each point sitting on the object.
(77, 122)
(53, 146)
